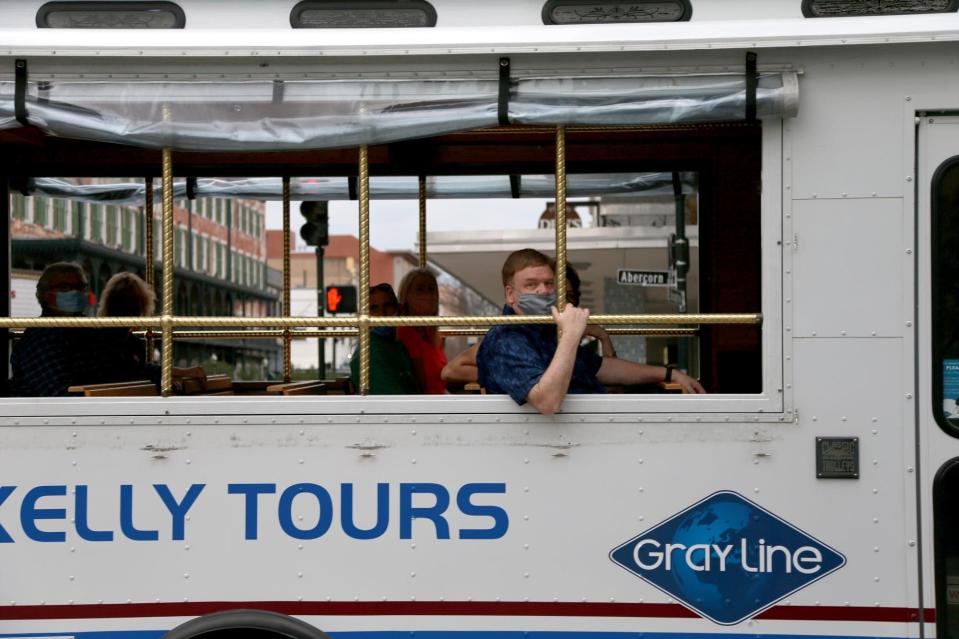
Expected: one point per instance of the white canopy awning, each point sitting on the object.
(267, 115)
(381, 187)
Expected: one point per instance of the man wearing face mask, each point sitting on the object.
(46, 361)
(391, 372)
(528, 362)
(462, 368)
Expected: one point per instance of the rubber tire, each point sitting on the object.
(249, 622)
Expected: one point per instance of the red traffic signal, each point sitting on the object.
(341, 299)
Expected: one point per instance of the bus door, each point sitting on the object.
(937, 361)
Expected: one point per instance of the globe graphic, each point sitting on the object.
(734, 592)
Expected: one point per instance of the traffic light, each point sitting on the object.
(341, 299)
(316, 231)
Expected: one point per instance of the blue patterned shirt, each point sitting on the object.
(512, 359)
(47, 361)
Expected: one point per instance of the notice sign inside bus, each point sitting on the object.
(952, 594)
(645, 278)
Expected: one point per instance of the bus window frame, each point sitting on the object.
(770, 403)
(935, 342)
(776, 395)
(940, 505)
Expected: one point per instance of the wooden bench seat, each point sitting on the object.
(309, 387)
(136, 388)
(219, 384)
(215, 385)
(645, 389)
(338, 386)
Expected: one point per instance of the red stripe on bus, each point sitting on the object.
(450, 608)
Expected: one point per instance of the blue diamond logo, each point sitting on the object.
(727, 558)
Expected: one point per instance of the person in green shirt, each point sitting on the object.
(391, 372)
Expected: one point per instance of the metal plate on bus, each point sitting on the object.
(837, 457)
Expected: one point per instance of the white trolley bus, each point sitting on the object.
(812, 490)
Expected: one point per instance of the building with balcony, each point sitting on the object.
(219, 263)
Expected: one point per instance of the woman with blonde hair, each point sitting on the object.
(127, 295)
(419, 296)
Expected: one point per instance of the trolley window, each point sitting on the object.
(946, 522)
(697, 231)
(945, 296)
(546, 134)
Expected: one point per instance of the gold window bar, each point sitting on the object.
(672, 319)
(422, 235)
(166, 326)
(265, 334)
(287, 344)
(645, 332)
(663, 319)
(150, 257)
(560, 274)
(348, 332)
(363, 318)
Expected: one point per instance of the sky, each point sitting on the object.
(393, 223)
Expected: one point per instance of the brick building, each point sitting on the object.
(219, 262)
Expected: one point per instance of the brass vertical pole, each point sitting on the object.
(287, 355)
(364, 292)
(166, 368)
(560, 218)
(149, 257)
(422, 238)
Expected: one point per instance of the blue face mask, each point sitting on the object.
(536, 303)
(71, 301)
(386, 332)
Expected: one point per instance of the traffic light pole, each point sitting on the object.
(316, 232)
(320, 305)
(5, 276)
(287, 344)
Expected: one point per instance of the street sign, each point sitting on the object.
(644, 278)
